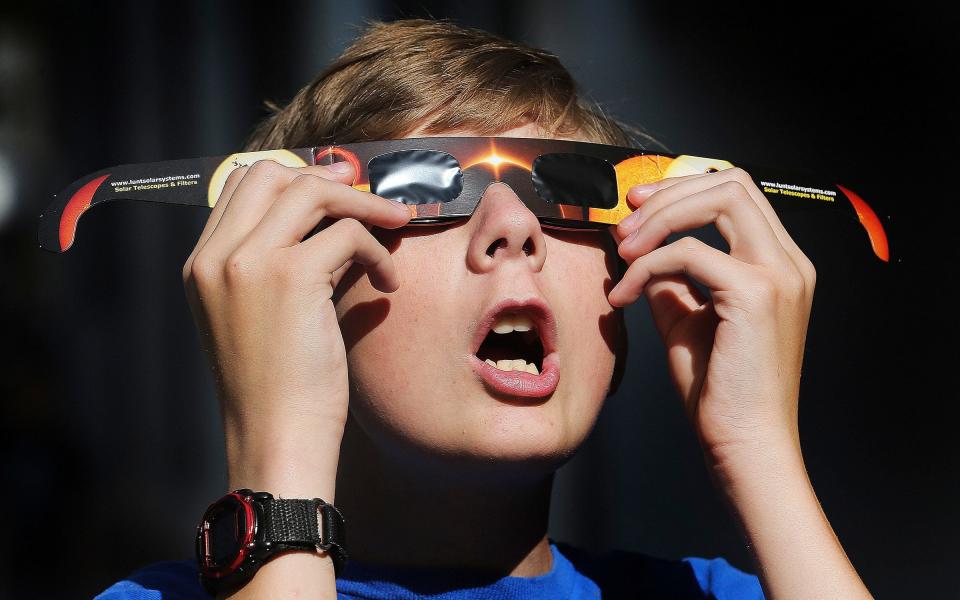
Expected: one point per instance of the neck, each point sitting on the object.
(404, 516)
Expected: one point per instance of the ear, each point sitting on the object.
(621, 351)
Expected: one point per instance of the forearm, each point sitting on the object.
(795, 549)
(292, 462)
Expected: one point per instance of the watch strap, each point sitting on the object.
(296, 524)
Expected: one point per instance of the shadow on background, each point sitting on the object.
(110, 442)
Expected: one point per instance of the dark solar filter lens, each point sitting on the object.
(416, 176)
(575, 179)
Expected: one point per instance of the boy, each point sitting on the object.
(349, 361)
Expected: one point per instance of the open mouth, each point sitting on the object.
(513, 344)
(516, 349)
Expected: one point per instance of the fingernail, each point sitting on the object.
(644, 188)
(625, 244)
(342, 167)
(400, 206)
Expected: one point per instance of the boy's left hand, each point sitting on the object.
(735, 357)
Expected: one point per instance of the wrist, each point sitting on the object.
(761, 463)
(288, 462)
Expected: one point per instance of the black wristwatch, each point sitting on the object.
(244, 529)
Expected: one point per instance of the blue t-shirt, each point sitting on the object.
(575, 574)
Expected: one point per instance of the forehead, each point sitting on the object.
(528, 130)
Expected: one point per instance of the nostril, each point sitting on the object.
(492, 248)
(528, 247)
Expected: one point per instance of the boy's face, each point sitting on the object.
(416, 386)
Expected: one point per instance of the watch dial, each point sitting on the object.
(223, 534)
(226, 533)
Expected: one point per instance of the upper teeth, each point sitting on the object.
(508, 323)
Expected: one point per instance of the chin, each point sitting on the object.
(509, 442)
(507, 445)
(512, 460)
(474, 435)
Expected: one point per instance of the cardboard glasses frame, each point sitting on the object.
(565, 184)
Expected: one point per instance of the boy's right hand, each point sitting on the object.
(261, 296)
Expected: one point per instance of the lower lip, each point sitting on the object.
(520, 384)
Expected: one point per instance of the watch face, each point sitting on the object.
(224, 535)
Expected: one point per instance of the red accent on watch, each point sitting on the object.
(244, 538)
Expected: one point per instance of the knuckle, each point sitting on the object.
(764, 290)
(236, 175)
(808, 270)
(266, 168)
(739, 175)
(353, 228)
(186, 271)
(240, 268)
(308, 184)
(733, 190)
(812, 277)
(794, 284)
(201, 271)
(690, 244)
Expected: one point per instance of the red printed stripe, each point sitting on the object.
(76, 207)
(871, 222)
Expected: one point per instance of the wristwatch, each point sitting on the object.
(241, 531)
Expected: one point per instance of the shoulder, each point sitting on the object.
(169, 580)
(622, 574)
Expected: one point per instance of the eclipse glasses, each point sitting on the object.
(565, 184)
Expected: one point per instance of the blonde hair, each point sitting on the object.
(435, 77)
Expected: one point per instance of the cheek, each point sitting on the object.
(395, 343)
(590, 323)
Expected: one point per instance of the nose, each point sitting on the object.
(504, 230)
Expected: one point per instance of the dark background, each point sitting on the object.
(109, 441)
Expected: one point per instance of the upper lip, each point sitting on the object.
(533, 307)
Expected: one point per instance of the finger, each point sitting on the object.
(337, 275)
(613, 232)
(229, 187)
(763, 203)
(651, 199)
(715, 269)
(637, 194)
(669, 189)
(348, 240)
(309, 199)
(672, 298)
(263, 182)
(729, 207)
